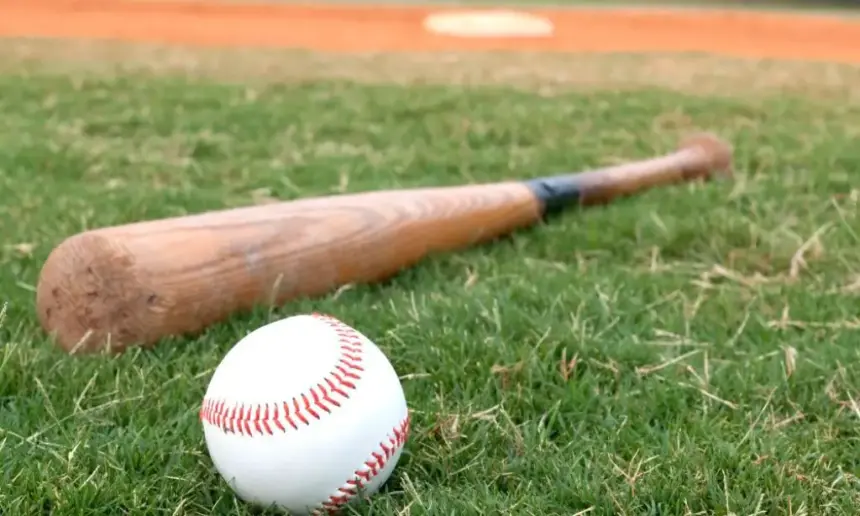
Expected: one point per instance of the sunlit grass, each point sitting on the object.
(689, 351)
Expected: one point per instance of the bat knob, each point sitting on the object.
(717, 154)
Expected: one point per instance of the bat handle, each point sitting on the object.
(699, 156)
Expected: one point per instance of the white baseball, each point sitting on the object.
(305, 414)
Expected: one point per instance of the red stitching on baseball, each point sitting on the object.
(303, 408)
(371, 468)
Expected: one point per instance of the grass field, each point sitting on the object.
(689, 351)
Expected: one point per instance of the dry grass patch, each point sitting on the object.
(696, 74)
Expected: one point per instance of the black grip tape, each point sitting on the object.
(555, 193)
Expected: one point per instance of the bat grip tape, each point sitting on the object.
(555, 193)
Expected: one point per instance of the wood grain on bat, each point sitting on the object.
(134, 284)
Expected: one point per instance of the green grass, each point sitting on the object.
(689, 351)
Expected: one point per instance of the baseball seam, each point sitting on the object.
(265, 418)
(372, 467)
(328, 394)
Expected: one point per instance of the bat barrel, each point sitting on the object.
(111, 288)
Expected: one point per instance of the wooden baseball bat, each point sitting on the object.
(130, 285)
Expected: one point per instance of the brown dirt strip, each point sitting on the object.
(389, 28)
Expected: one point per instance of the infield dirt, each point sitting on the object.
(391, 28)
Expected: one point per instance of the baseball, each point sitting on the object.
(305, 414)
